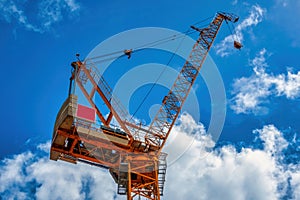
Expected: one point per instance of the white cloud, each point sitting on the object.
(66, 181)
(11, 172)
(288, 85)
(183, 138)
(44, 146)
(273, 139)
(48, 13)
(260, 59)
(295, 183)
(249, 93)
(255, 17)
(28, 176)
(12, 12)
(52, 11)
(227, 174)
(224, 173)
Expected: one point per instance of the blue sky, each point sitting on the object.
(39, 40)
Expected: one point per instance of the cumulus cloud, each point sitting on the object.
(223, 173)
(295, 183)
(249, 93)
(183, 137)
(28, 176)
(255, 17)
(273, 139)
(48, 13)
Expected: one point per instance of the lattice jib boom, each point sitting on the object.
(166, 116)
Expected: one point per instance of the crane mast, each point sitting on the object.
(132, 153)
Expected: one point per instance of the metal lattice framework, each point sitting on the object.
(133, 153)
(165, 118)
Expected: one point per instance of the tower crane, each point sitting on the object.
(132, 153)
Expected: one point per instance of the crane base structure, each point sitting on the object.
(76, 139)
(132, 153)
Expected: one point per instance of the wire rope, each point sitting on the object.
(103, 58)
(159, 76)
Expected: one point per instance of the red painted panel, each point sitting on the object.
(86, 113)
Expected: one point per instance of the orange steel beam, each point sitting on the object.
(149, 187)
(100, 144)
(76, 155)
(95, 142)
(89, 98)
(165, 118)
(113, 113)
